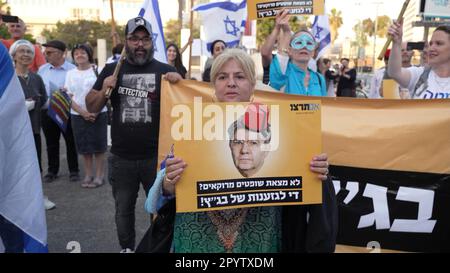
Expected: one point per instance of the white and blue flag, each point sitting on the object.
(223, 21)
(150, 12)
(321, 31)
(21, 201)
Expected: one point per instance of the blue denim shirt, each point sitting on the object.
(292, 79)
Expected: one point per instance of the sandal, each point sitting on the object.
(96, 183)
(87, 182)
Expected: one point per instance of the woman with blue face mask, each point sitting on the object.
(289, 70)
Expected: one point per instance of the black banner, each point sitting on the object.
(396, 210)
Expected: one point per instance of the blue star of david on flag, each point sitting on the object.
(230, 27)
(318, 31)
(154, 38)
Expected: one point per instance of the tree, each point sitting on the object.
(336, 22)
(361, 30)
(4, 9)
(383, 23)
(82, 31)
(172, 32)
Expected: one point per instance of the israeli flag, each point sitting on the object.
(321, 32)
(150, 12)
(22, 213)
(223, 21)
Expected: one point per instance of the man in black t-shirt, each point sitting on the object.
(135, 122)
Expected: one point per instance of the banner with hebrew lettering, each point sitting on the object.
(390, 165)
(237, 154)
(260, 9)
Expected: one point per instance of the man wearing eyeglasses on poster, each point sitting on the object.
(249, 145)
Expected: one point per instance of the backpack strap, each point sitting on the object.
(94, 67)
(422, 83)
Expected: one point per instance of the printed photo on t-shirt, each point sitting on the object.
(135, 98)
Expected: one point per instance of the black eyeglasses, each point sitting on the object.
(135, 39)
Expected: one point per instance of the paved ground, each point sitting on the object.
(84, 217)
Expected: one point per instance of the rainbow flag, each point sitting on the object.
(59, 109)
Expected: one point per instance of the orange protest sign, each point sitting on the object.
(238, 154)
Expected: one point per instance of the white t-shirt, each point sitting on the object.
(438, 88)
(378, 77)
(79, 83)
(376, 84)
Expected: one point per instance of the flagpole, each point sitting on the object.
(113, 24)
(191, 26)
(389, 40)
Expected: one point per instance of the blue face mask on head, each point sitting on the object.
(304, 41)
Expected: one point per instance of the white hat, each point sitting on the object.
(15, 46)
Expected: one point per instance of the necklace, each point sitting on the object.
(25, 77)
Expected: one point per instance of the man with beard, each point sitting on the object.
(135, 122)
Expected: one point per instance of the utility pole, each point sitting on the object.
(113, 24)
(375, 35)
(191, 26)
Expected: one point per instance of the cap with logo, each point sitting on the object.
(138, 22)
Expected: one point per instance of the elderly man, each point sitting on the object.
(54, 75)
(17, 32)
(135, 122)
(249, 140)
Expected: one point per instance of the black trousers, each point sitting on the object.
(126, 176)
(11, 236)
(52, 134)
(37, 143)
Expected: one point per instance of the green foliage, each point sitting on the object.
(4, 32)
(4, 9)
(172, 32)
(335, 18)
(366, 28)
(82, 31)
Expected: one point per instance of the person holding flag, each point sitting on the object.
(135, 121)
(23, 225)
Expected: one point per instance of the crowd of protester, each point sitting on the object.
(286, 59)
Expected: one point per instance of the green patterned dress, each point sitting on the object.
(253, 230)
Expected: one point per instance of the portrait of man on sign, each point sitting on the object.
(250, 137)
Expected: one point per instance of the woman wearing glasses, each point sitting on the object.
(89, 128)
(289, 70)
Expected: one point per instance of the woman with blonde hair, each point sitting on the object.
(246, 230)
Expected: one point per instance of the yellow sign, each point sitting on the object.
(391, 89)
(260, 9)
(246, 155)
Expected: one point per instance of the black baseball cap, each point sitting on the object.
(56, 44)
(138, 22)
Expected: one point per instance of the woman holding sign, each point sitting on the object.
(289, 68)
(432, 81)
(249, 230)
